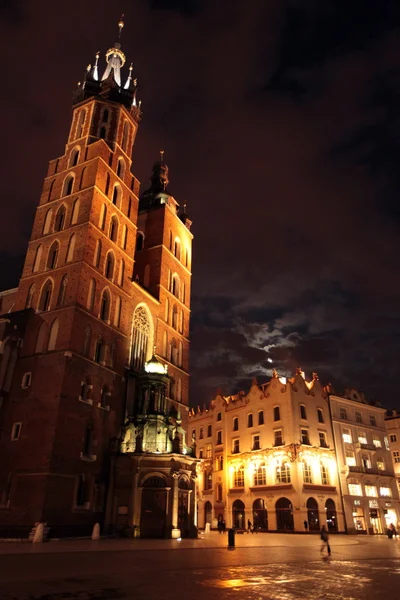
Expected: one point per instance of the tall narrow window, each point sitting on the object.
(303, 414)
(107, 188)
(103, 216)
(60, 218)
(62, 291)
(117, 313)
(45, 296)
(51, 190)
(53, 255)
(29, 297)
(124, 239)
(113, 233)
(140, 337)
(179, 389)
(320, 414)
(183, 294)
(129, 208)
(175, 285)
(97, 254)
(74, 157)
(103, 132)
(166, 316)
(81, 186)
(139, 241)
(105, 305)
(38, 258)
(235, 424)
(113, 354)
(105, 116)
(261, 417)
(177, 248)
(71, 248)
(277, 413)
(92, 294)
(75, 212)
(68, 185)
(87, 441)
(81, 124)
(250, 420)
(47, 221)
(116, 197)
(109, 265)
(53, 334)
(121, 272)
(121, 168)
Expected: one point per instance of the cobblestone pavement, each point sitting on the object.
(271, 567)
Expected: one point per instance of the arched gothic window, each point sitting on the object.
(53, 334)
(109, 266)
(107, 188)
(105, 305)
(53, 255)
(177, 248)
(105, 116)
(81, 123)
(121, 168)
(38, 258)
(62, 291)
(45, 296)
(60, 218)
(140, 338)
(75, 212)
(175, 285)
(51, 190)
(175, 317)
(139, 241)
(82, 178)
(68, 185)
(103, 216)
(71, 248)
(29, 297)
(116, 197)
(47, 221)
(180, 354)
(74, 157)
(113, 233)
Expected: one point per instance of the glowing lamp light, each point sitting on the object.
(154, 366)
(269, 360)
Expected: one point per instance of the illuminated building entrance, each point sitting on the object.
(331, 517)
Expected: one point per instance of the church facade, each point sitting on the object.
(103, 299)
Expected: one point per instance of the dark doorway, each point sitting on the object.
(331, 516)
(260, 515)
(313, 515)
(153, 511)
(284, 515)
(207, 513)
(238, 515)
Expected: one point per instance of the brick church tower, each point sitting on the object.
(105, 285)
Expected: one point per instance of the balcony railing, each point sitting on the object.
(370, 471)
(363, 446)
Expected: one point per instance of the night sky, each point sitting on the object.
(280, 121)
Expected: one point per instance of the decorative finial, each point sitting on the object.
(274, 373)
(120, 26)
(161, 155)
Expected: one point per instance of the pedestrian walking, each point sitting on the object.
(248, 526)
(392, 533)
(305, 525)
(325, 541)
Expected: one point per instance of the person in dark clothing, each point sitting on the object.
(325, 541)
(305, 525)
(248, 526)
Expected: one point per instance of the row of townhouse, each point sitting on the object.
(291, 455)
